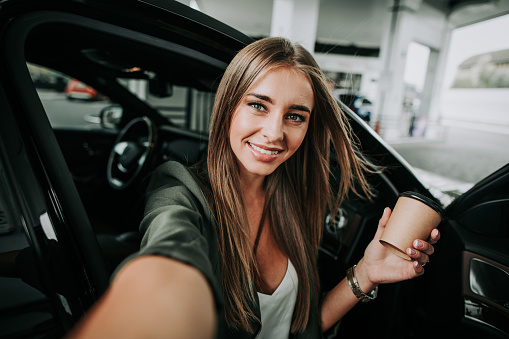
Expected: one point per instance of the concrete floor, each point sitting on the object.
(462, 154)
(456, 161)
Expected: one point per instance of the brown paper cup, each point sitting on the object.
(413, 217)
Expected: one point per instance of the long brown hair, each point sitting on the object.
(297, 192)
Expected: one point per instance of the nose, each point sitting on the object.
(273, 128)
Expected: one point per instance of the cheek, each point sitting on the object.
(241, 126)
(236, 130)
(297, 138)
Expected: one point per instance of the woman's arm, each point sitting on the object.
(152, 297)
(341, 299)
(378, 266)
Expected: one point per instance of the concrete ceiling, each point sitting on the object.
(345, 22)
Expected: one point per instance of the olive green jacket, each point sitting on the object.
(179, 224)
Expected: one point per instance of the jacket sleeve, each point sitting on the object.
(175, 225)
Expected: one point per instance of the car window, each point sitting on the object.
(73, 104)
(68, 102)
(182, 106)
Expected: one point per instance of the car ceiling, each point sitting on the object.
(64, 47)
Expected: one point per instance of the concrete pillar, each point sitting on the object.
(394, 49)
(138, 87)
(296, 20)
(434, 129)
(428, 92)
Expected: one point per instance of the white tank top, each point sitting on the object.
(277, 309)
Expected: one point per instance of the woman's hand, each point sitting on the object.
(379, 265)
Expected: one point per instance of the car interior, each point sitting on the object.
(157, 98)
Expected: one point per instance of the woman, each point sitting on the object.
(232, 245)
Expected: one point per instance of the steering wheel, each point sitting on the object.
(133, 148)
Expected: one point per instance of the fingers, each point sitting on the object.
(385, 216)
(383, 221)
(420, 258)
(418, 268)
(422, 249)
(421, 252)
(423, 246)
(434, 237)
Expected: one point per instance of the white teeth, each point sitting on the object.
(263, 151)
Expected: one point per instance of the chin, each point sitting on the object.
(262, 170)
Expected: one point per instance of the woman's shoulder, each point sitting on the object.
(173, 171)
(173, 174)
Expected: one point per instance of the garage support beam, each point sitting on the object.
(296, 20)
(393, 60)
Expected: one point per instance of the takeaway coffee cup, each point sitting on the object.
(413, 217)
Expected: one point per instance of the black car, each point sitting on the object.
(72, 174)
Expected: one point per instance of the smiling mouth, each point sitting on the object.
(263, 151)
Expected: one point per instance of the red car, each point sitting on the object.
(75, 89)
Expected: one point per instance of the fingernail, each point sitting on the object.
(411, 251)
(418, 244)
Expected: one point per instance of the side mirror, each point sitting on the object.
(111, 116)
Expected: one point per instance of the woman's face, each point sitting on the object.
(271, 121)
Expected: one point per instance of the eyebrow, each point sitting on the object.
(269, 100)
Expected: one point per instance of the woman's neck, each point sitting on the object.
(253, 195)
(252, 188)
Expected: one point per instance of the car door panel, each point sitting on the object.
(474, 259)
(486, 291)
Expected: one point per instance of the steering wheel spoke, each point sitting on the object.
(120, 147)
(133, 148)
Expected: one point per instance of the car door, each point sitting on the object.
(55, 277)
(474, 261)
(43, 222)
(59, 271)
(464, 292)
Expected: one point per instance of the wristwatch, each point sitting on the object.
(354, 285)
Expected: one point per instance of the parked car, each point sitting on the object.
(71, 198)
(75, 89)
(358, 104)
